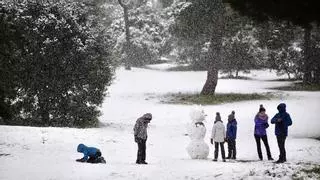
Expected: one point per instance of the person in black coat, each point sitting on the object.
(281, 120)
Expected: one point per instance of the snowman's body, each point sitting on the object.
(197, 148)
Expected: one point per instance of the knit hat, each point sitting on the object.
(231, 116)
(261, 109)
(218, 117)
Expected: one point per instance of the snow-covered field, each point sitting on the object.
(50, 153)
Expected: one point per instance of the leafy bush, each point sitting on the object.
(55, 62)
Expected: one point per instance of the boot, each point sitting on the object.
(270, 159)
(280, 161)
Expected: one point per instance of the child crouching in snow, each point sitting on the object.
(91, 154)
(218, 136)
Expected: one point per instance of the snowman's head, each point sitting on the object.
(197, 114)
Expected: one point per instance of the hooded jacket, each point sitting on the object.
(232, 129)
(281, 128)
(140, 128)
(87, 151)
(218, 131)
(261, 123)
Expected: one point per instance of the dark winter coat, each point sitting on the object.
(87, 151)
(140, 128)
(232, 129)
(261, 123)
(282, 120)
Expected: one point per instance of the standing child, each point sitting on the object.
(218, 136)
(261, 124)
(231, 136)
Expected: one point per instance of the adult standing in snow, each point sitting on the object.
(281, 120)
(141, 135)
(261, 124)
(231, 136)
(218, 135)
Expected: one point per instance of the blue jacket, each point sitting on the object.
(87, 151)
(232, 129)
(281, 128)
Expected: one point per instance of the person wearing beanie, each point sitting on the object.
(218, 136)
(281, 120)
(260, 133)
(218, 117)
(140, 136)
(231, 136)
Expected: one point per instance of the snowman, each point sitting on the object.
(197, 148)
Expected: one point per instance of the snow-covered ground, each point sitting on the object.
(50, 153)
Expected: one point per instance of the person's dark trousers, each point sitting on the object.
(266, 144)
(232, 152)
(141, 156)
(281, 144)
(216, 150)
(94, 159)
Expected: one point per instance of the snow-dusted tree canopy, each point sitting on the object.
(55, 64)
(69, 48)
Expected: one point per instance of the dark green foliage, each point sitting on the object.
(300, 87)
(199, 20)
(237, 56)
(296, 11)
(212, 99)
(202, 22)
(166, 3)
(57, 63)
(140, 36)
(302, 13)
(282, 40)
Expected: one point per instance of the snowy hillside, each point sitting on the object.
(50, 153)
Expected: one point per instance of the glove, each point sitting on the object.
(81, 160)
(211, 141)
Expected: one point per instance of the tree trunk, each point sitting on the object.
(128, 46)
(44, 110)
(211, 82)
(215, 49)
(213, 70)
(289, 75)
(307, 65)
